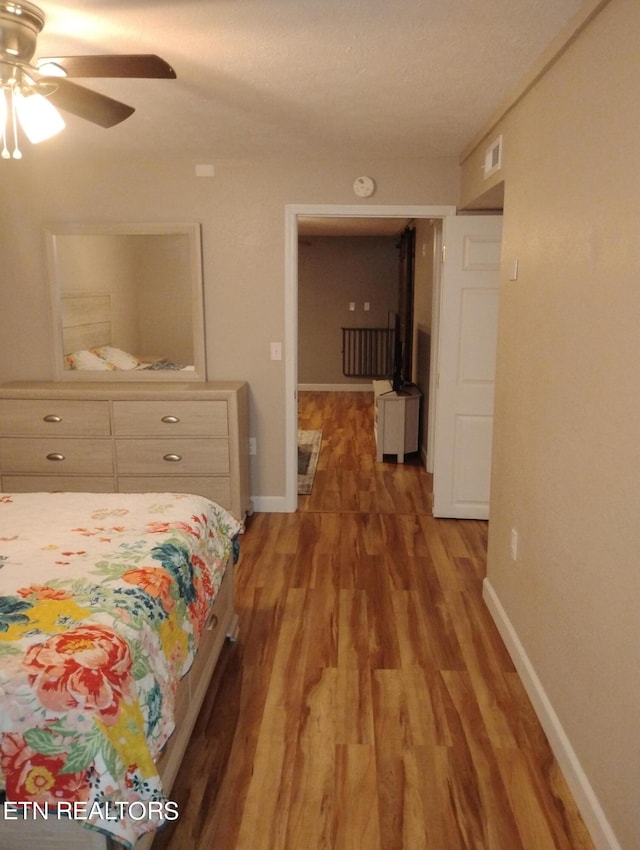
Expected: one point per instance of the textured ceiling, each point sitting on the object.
(305, 78)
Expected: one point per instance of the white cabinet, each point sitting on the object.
(397, 417)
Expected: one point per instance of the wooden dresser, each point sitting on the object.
(129, 437)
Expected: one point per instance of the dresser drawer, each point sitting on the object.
(57, 484)
(172, 456)
(170, 418)
(35, 417)
(56, 456)
(217, 488)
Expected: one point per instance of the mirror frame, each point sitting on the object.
(193, 233)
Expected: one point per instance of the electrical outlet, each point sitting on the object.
(276, 351)
(252, 445)
(514, 544)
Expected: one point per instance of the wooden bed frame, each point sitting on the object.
(67, 834)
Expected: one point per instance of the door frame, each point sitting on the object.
(292, 213)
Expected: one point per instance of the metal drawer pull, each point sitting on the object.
(170, 420)
(51, 417)
(55, 456)
(212, 623)
(173, 458)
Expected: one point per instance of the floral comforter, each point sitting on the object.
(103, 598)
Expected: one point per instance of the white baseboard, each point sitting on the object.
(271, 505)
(338, 388)
(592, 813)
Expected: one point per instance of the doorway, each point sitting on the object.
(292, 215)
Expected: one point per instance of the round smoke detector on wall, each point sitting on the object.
(364, 187)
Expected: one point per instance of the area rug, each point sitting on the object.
(308, 452)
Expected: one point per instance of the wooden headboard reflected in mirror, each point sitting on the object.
(127, 302)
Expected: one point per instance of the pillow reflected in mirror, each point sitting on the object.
(116, 357)
(87, 361)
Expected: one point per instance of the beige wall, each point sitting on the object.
(332, 272)
(566, 470)
(164, 296)
(242, 212)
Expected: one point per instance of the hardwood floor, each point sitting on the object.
(369, 703)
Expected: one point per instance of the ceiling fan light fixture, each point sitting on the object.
(8, 122)
(51, 69)
(21, 22)
(30, 96)
(39, 119)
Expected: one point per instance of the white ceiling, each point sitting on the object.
(304, 78)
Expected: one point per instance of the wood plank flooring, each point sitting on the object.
(369, 703)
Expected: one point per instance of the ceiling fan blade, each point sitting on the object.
(142, 65)
(85, 103)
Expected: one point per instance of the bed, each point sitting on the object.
(87, 339)
(108, 358)
(113, 610)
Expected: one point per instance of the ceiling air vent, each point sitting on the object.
(493, 158)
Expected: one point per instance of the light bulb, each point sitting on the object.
(38, 118)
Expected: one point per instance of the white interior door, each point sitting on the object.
(466, 359)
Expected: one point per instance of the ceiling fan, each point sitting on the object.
(50, 78)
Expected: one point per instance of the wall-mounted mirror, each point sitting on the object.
(127, 302)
